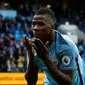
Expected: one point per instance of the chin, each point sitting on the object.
(36, 37)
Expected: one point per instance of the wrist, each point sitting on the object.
(30, 56)
(31, 62)
(46, 59)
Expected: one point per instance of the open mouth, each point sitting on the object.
(36, 35)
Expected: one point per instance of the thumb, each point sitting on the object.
(47, 44)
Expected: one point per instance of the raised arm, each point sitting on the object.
(31, 74)
(32, 70)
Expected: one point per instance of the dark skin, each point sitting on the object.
(32, 69)
(44, 35)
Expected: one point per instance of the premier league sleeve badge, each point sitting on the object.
(66, 60)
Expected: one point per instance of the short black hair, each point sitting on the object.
(49, 12)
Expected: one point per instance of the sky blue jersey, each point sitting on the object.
(63, 53)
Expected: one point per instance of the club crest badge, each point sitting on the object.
(55, 61)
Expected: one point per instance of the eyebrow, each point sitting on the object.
(39, 21)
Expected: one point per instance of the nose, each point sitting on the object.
(36, 27)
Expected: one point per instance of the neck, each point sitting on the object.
(49, 38)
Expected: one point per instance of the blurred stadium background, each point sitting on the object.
(15, 22)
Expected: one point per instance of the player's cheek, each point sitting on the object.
(45, 29)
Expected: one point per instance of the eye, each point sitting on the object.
(41, 23)
(33, 23)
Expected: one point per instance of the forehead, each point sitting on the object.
(41, 17)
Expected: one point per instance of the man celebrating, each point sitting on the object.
(52, 52)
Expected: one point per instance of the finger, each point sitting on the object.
(33, 50)
(35, 46)
(47, 44)
(23, 39)
(39, 43)
(28, 43)
(42, 44)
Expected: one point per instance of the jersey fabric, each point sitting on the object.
(62, 53)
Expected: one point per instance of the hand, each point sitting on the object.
(41, 49)
(30, 49)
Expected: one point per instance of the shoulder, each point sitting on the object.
(65, 44)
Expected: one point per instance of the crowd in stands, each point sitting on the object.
(12, 49)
